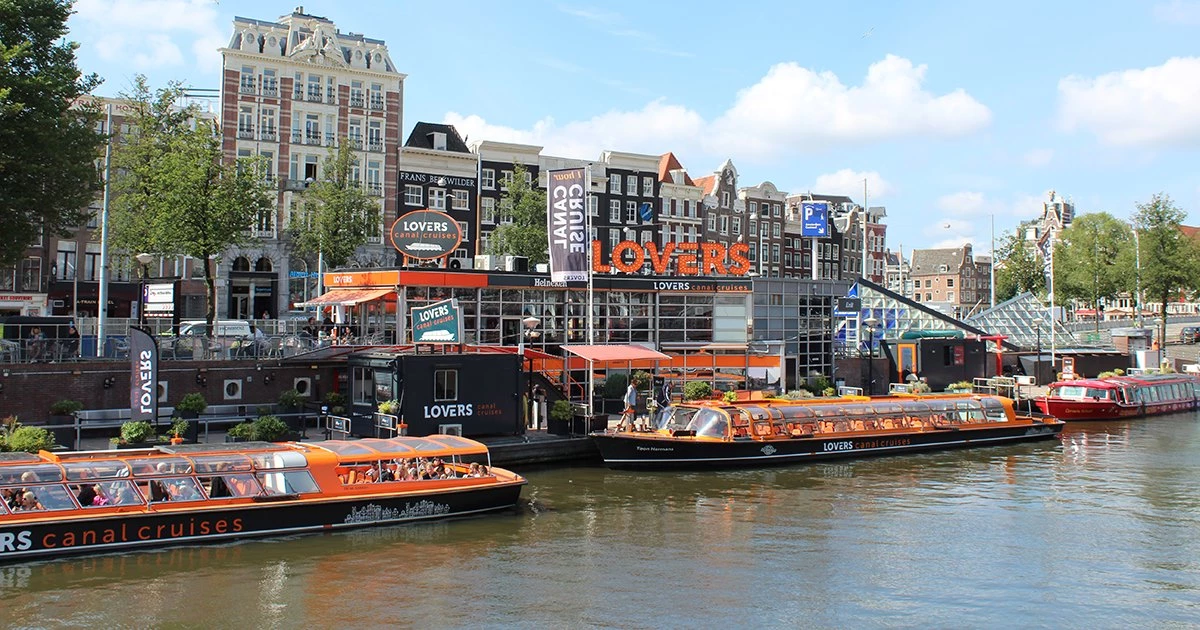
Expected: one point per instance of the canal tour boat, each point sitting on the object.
(57, 503)
(1116, 397)
(777, 431)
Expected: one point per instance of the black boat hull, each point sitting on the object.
(648, 451)
(169, 526)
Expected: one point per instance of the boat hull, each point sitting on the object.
(1074, 410)
(175, 526)
(647, 451)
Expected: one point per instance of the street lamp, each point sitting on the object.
(144, 260)
(870, 323)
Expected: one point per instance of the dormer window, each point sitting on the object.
(438, 140)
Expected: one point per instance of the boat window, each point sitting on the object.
(796, 411)
(242, 485)
(347, 449)
(289, 482)
(278, 459)
(181, 489)
(37, 473)
(887, 409)
(994, 410)
(677, 417)
(915, 408)
(827, 411)
(857, 410)
(709, 423)
(969, 411)
(221, 463)
(149, 467)
(49, 497)
(105, 493)
(80, 471)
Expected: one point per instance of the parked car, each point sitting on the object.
(1189, 334)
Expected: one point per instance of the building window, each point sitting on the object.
(506, 178)
(647, 186)
(64, 261)
(928, 284)
(614, 211)
(487, 179)
(753, 207)
(412, 195)
(724, 223)
(464, 229)
(775, 230)
(736, 226)
(776, 210)
(712, 223)
(506, 210)
(487, 210)
(949, 296)
(631, 214)
(445, 385)
(437, 198)
(460, 200)
(614, 237)
(631, 185)
(725, 199)
(593, 206)
(614, 184)
(31, 274)
(949, 283)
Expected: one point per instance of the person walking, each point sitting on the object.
(630, 413)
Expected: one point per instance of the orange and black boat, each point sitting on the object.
(779, 431)
(57, 503)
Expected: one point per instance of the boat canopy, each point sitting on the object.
(401, 447)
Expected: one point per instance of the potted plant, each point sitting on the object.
(290, 401)
(269, 429)
(178, 431)
(28, 439)
(191, 406)
(960, 387)
(243, 432)
(389, 407)
(561, 413)
(63, 411)
(336, 402)
(697, 390)
(136, 434)
(730, 396)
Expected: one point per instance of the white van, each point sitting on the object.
(236, 328)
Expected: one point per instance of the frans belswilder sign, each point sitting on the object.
(425, 234)
(143, 382)
(440, 322)
(567, 227)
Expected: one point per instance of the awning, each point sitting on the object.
(615, 353)
(346, 297)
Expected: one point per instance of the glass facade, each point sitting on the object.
(800, 314)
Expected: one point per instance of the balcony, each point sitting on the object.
(331, 98)
(375, 145)
(375, 189)
(269, 136)
(296, 137)
(246, 86)
(355, 142)
(377, 102)
(356, 100)
(314, 96)
(245, 133)
(330, 140)
(270, 89)
(298, 95)
(295, 185)
(313, 139)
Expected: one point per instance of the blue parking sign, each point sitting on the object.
(814, 219)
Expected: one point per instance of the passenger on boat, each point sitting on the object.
(29, 502)
(630, 413)
(87, 495)
(100, 497)
(158, 492)
(12, 498)
(217, 488)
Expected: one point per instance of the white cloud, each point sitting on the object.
(1038, 157)
(967, 217)
(790, 110)
(1153, 107)
(850, 183)
(152, 33)
(1178, 12)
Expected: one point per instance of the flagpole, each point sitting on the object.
(587, 204)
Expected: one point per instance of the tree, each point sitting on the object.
(1169, 259)
(48, 140)
(1018, 267)
(176, 194)
(337, 215)
(1085, 260)
(526, 234)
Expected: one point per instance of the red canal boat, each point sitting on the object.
(1120, 396)
(104, 501)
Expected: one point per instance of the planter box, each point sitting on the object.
(558, 427)
(231, 438)
(581, 425)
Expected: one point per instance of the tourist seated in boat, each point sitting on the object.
(708, 423)
(29, 502)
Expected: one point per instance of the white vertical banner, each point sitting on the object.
(567, 225)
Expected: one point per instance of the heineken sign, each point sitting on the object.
(425, 234)
(440, 322)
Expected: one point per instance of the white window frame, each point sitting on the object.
(487, 210)
(413, 195)
(614, 211)
(460, 200)
(437, 198)
(631, 212)
(647, 186)
(487, 179)
(631, 184)
(614, 184)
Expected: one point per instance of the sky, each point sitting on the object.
(956, 114)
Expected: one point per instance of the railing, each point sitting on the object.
(314, 96)
(356, 101)
(375, 189)
(375, 145)
(376, 103)
(293, 184)
(246, 87)
(269, 135)
(270, 90)
(245, 133)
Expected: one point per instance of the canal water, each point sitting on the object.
(1098, 530)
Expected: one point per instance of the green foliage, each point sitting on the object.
(798, 394)
(65, 407)
(193, 402)
(641, 380)
(1107, 374)
(336, 215)
(920, 387)
(1084, 262)
(615, 384)
(175, 192)
(828, 392)
(389, 407)
(1018, 266)
(1170, 260)
(696, 390)
(268, 428)
(526, 234)
(334, 398)
(179, 427)
(243, 430)
(48, 139)
(730, 396)
(30, 440)
(562, 410)
(291, 399)
(961, 385)
(819, 385)
(134, 432)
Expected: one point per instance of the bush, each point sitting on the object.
(641, 380)
(179, 427)
(193, 402)
(268, 428)
(291, 399)
(730, 396)
(819, 385)
(697, 390)
(133, 432)
(961, 385)
(65, 407)
(921, 387)
(562, 410)
(390, 407)
(244, 430)
(615, 384)
(30, 439)
(797, 394)
(829, 392)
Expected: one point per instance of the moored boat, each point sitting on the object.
(776, 431)
(95, 501)
(1116, 397)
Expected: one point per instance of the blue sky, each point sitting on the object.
(952, 111)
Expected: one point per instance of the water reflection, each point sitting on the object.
(1098, 530)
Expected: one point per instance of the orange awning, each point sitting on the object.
(615, 353)
(346, 297)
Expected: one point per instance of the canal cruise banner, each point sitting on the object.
(440, 322)
(566, 225)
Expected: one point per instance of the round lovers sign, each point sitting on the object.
(425, 234)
